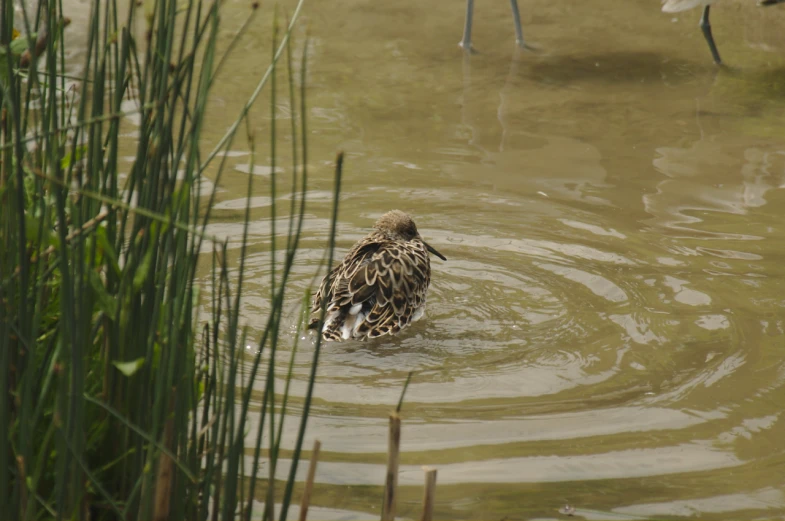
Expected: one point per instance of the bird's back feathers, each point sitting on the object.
(378, 289)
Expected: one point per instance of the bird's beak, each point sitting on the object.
(430, 249)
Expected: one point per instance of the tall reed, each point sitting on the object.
(117, 402)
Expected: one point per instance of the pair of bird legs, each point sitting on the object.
(466, 42)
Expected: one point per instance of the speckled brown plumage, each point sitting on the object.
(380, 286)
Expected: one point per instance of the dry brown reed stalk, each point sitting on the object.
(391, 483)
(163, 482)
(40, 45)
(430, 493)
(317, 445)
(20, 465)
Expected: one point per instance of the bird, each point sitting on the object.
(379, 288)
(676, 6)
(466, 41)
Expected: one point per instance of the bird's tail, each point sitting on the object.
(334, 326)
(769, 2)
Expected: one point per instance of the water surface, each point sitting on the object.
(608, 330)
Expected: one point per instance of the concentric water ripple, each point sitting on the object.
(580, 332)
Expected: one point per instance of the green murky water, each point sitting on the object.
(609, 329)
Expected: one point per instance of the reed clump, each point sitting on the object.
(119, 401)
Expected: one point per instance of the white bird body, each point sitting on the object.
(677, 6)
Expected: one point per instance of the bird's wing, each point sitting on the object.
(392, 284)
(335, 284)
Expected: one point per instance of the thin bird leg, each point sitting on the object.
(706, 28)
(516, 17)
(466, 43)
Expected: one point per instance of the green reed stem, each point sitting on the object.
(118, 409)
(317, 349)
(403, 391)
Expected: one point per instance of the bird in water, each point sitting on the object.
(676, 6)
(380, 286)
